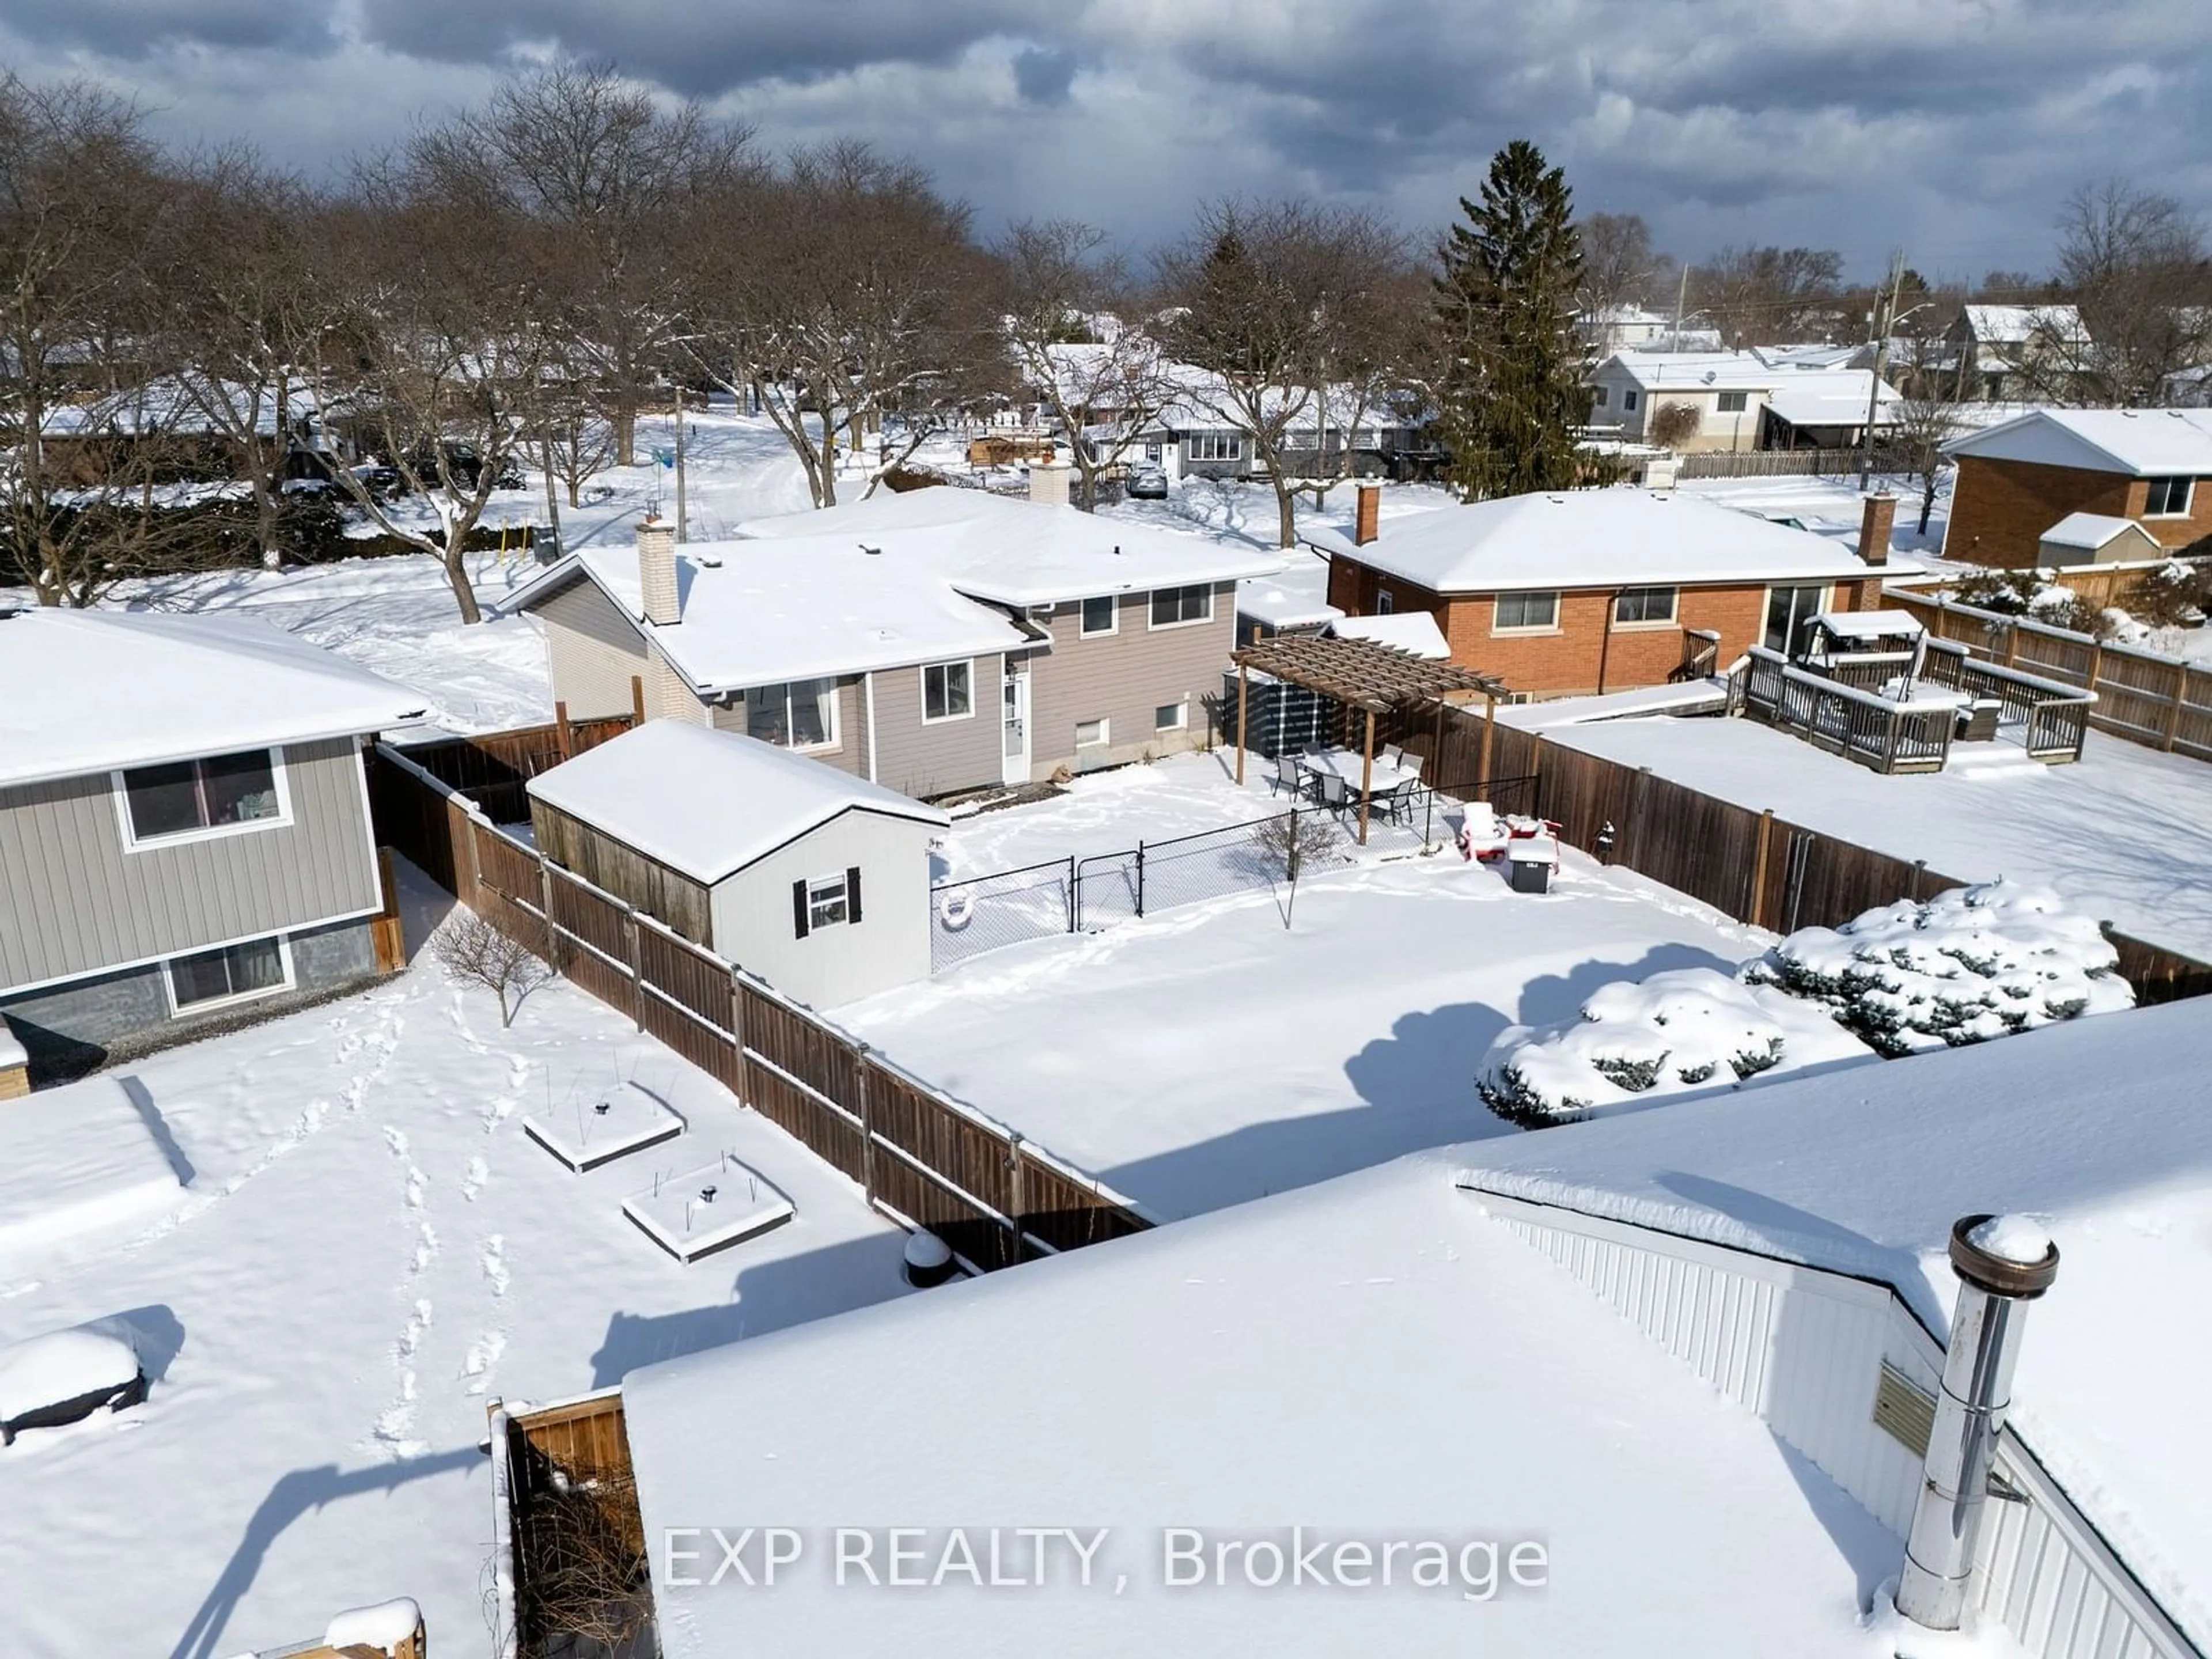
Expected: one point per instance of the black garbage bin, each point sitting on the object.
(1528, 863)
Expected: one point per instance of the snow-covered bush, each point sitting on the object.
(1973, 963)
(1689, 1028)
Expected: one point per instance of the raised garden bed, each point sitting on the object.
(695, 1212)
(584, 1133)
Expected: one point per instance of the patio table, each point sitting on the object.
(1345, 764)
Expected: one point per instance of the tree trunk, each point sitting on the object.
(624, 422)
(457, 573)
(1926, 503)
(1286, 507)
(265, 520)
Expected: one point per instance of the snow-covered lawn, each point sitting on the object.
(1205, 1055)
(369, 1249)
(2123, 835)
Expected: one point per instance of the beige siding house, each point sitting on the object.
(183, 826)
(935, 642)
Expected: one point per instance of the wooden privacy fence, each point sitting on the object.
(1783, 463)
(1749, 865)
(492, 768)
(2159, 701)
(923, 1158)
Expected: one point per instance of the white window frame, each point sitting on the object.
(1511, 629)
(1103, 740)
(967, 665)
(133, 842)
(834, 737)
(1766, 604)
(1113, 603)
(1214, 447)
(191, 1010)
(1181, 721)
(817, 895)
(1670, 620)
(2188, 499)
(1151, 600)
(1386, 602)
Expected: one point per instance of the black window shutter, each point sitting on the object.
(799, 908)
(853, 893)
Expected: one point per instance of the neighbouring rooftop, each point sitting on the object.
(2140, 442)
(87, 691)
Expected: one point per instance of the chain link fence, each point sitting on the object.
(1008, 907)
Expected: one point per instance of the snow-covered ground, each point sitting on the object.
(2123, 835)
(1206, 1054)
(367, 1250)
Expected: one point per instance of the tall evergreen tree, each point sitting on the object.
(1511, 396)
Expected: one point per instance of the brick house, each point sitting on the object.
(2017, 480)
(1605, 590)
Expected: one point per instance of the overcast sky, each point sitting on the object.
(1952, 128)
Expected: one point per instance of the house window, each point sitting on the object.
(230, 975)
(1151, 451)
(1636, 605)
(223, 791)
(1628, 400)
(947, 691)
(1215, 446)
(1093, 734)
(1385, 602)
(1599, 396)
(2169, 498)
(1100, 615)
(1526, 612)
(1788, 610)
(802, 714)
(1729, 403)
(1171, 717)
(1176, 607)
(819, 902)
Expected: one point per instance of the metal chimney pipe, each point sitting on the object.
(1994, 1287)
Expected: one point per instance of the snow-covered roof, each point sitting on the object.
(1297, 597)
(88, 691)
(2141, 442)
(2017, 324)
(708, 803)
(170, 403)
(1609, 537)
(2094, 531)
(1831, 398)
(1409, 631)
(1696, 371)
(2094, 1127)
(1019, 552)
(1370, 1359)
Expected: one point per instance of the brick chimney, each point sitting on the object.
(656, 571)
(1048, 482)
(1873, 527)
(1367, 517)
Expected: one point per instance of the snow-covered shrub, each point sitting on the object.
(1973, 963)
(1688, 1027)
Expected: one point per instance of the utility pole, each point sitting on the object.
(1682, 293)
(1885, 314)
(681, 528)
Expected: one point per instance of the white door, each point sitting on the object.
(1015, 704)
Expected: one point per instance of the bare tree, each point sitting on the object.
(1674, 424)
(1620, 266)
(2135, 262)
(1926, 417)
(842, 292)
(1271, 302)
(1070, 314)
(1286, 845)
(1759, 295)
(473, 951)
(83, 200)
(576, 148)
(442, 354)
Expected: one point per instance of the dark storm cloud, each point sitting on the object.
(695, 49)
(129, 29)
(1044, 77)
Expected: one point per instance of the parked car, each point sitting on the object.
(1147, 483)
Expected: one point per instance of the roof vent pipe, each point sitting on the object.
(2003, 1263)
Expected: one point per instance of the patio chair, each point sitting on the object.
(1396, 803)
(1335, 793)
(1393, 755)
(1411, 763)
(1288, 769)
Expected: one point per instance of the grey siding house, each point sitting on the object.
(934, 642)
(184, 827)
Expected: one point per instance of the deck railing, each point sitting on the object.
(1886, 735)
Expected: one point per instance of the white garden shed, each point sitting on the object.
(814, 880)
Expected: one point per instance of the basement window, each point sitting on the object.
(211, 979)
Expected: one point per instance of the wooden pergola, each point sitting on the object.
(1365, 675)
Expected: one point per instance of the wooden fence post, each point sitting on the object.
(2173, 707)
(630, 931)
(387, 934)
(861, 1110)
(1017, 1202)
(567, 732)
(637, 700)
(1755, 911)
(545, 909)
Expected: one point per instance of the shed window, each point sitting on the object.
(215, 793)
(1644, 604)
(2169, 498)
(948, 691)
(1599, 396)
(1100, 615)
(1526, 611)
(230, 975)
(1174, 607)
(1628, 399)
(802, 714)
(820, 901)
